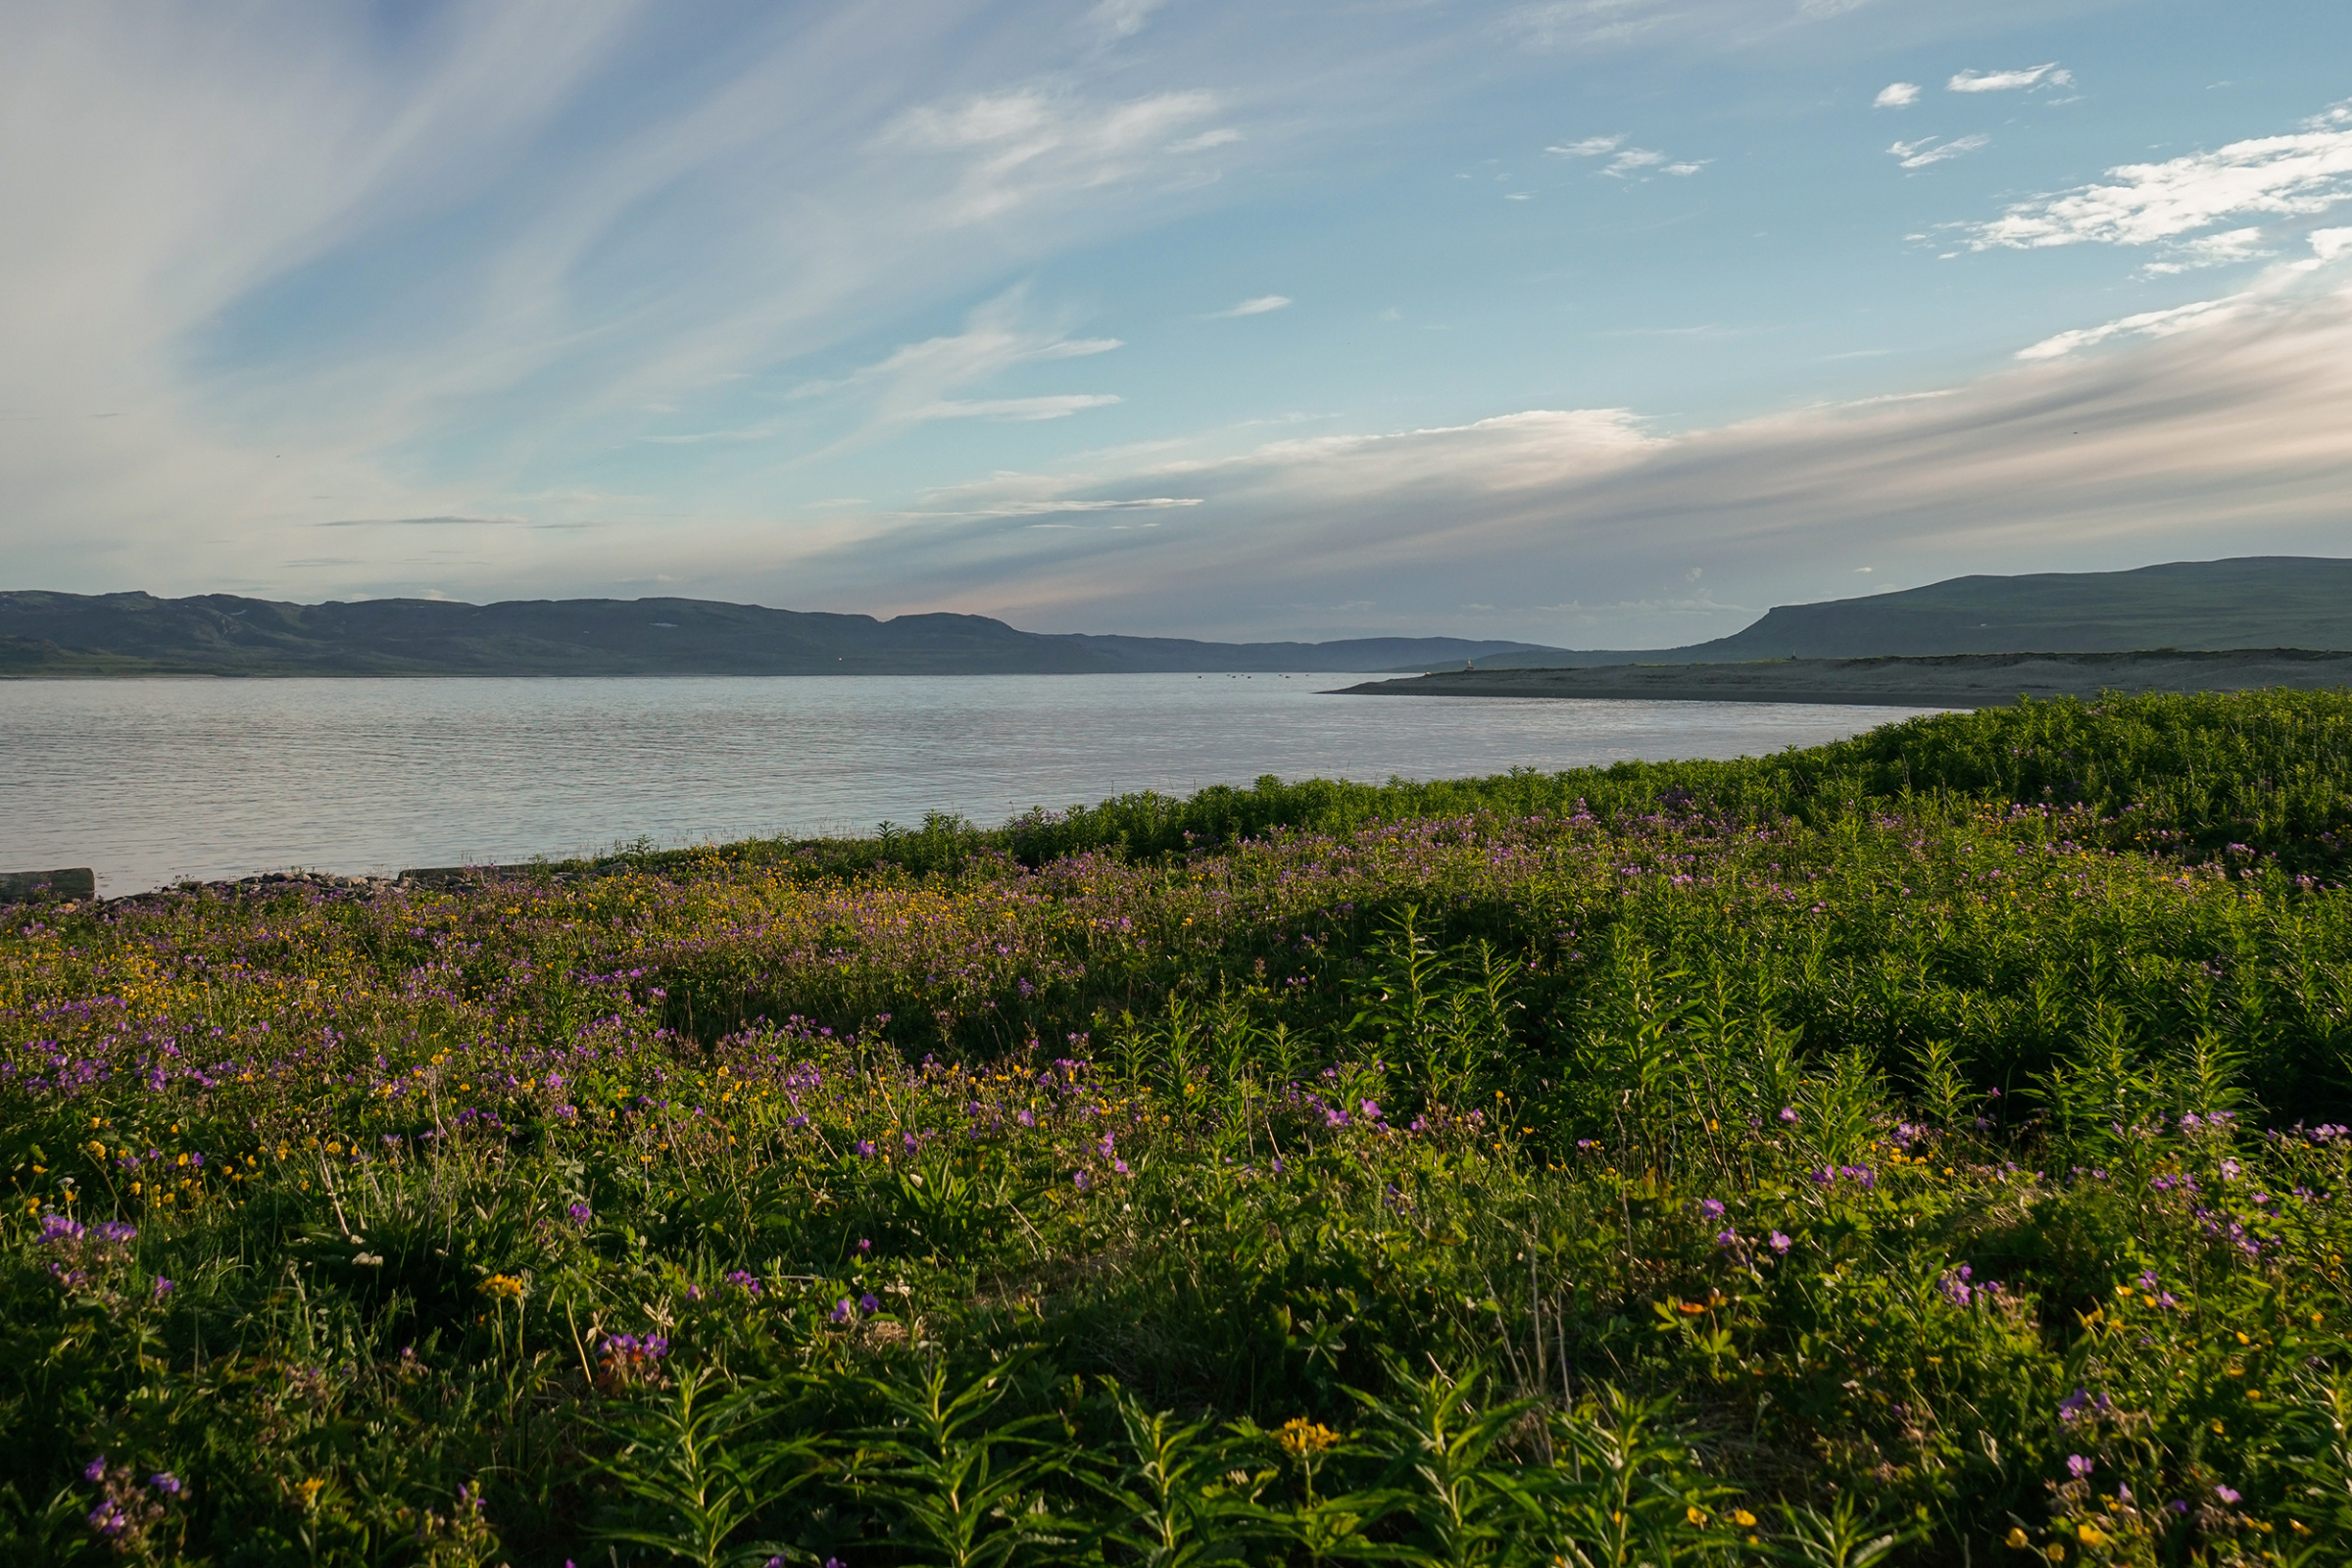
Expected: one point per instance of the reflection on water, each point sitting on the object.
(151, 781)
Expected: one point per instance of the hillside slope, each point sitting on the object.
(221, 634)
(2246, 602)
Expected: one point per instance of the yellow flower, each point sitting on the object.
(1302, 1437)
(1742, 1518)
(504, 1286)
(2091, 1535)
(1696, 1514)
(310, 1491)
(2017, 1539)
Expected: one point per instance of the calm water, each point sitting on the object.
(153, 780)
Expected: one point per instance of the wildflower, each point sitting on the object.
(868, 1303)
(1726, 1238)
(2016, 1540)
(1779, 1243)
(864, 1246)
(579, 1214)
(95, 1470)
(841, 1310)
(164, 1287)
(2078, 1467)
(504, 1287)
(1371, 1109)
(2225, 1494)
(1788, 1114)
(1302, 1438)
(866, 1148)
(1083, 1182)
(164, 1481)
(1711, 1207)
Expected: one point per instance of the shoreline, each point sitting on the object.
(1948, 680)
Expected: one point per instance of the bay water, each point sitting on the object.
(151, 781)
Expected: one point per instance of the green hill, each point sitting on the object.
(221, 634)
(2248, 601)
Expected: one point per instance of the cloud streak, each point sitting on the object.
(2046, 75)
(2231, 431)
(1263, 305)
(2298, 174)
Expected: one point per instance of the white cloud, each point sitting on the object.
(914, 383)
(1122, 18)
(2209, 250)
(1896, 95)
(1222, 136)
(1019, 144)
(1022, 409)
(2226, 440)
(2046, 75)
(1928, 150)
(1260, 306)
(2329, 243)
(2146, 323)
(1624, 161)
(2140, 204)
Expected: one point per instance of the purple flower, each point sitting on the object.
(164, 1481)
(2225, 1494)
(1083, 1182)
(1728, 1239)
(579, 1214)
(868, 1303)
(2078, 1467)
(841, 1310)
(1779, 1243)
(1788, 1114)
(864, 1246)
(164, 1287)
(1371, 1110)
(866, 1150)
(95, 1470)
(1711, 1207)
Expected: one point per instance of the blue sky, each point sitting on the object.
(1598, 323)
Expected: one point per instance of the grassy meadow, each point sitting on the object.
(1923, 1150)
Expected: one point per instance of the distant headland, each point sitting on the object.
(2250, 603)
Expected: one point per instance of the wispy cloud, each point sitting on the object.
(1626, 161)
(1020, 410)
(1930, 150)
(1260, 305)
(1222, 136)
(2146, 323)
(2216, 441)
(1896, 95)
(2043, 76)
(2303, 172)
(427, 523)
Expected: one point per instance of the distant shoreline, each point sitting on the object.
(1949, 680)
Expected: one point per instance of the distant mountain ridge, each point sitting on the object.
(221, 634)
(2193, 605)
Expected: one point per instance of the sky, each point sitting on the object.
(1588, 322)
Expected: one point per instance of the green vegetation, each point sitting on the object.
(1921, 1150)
